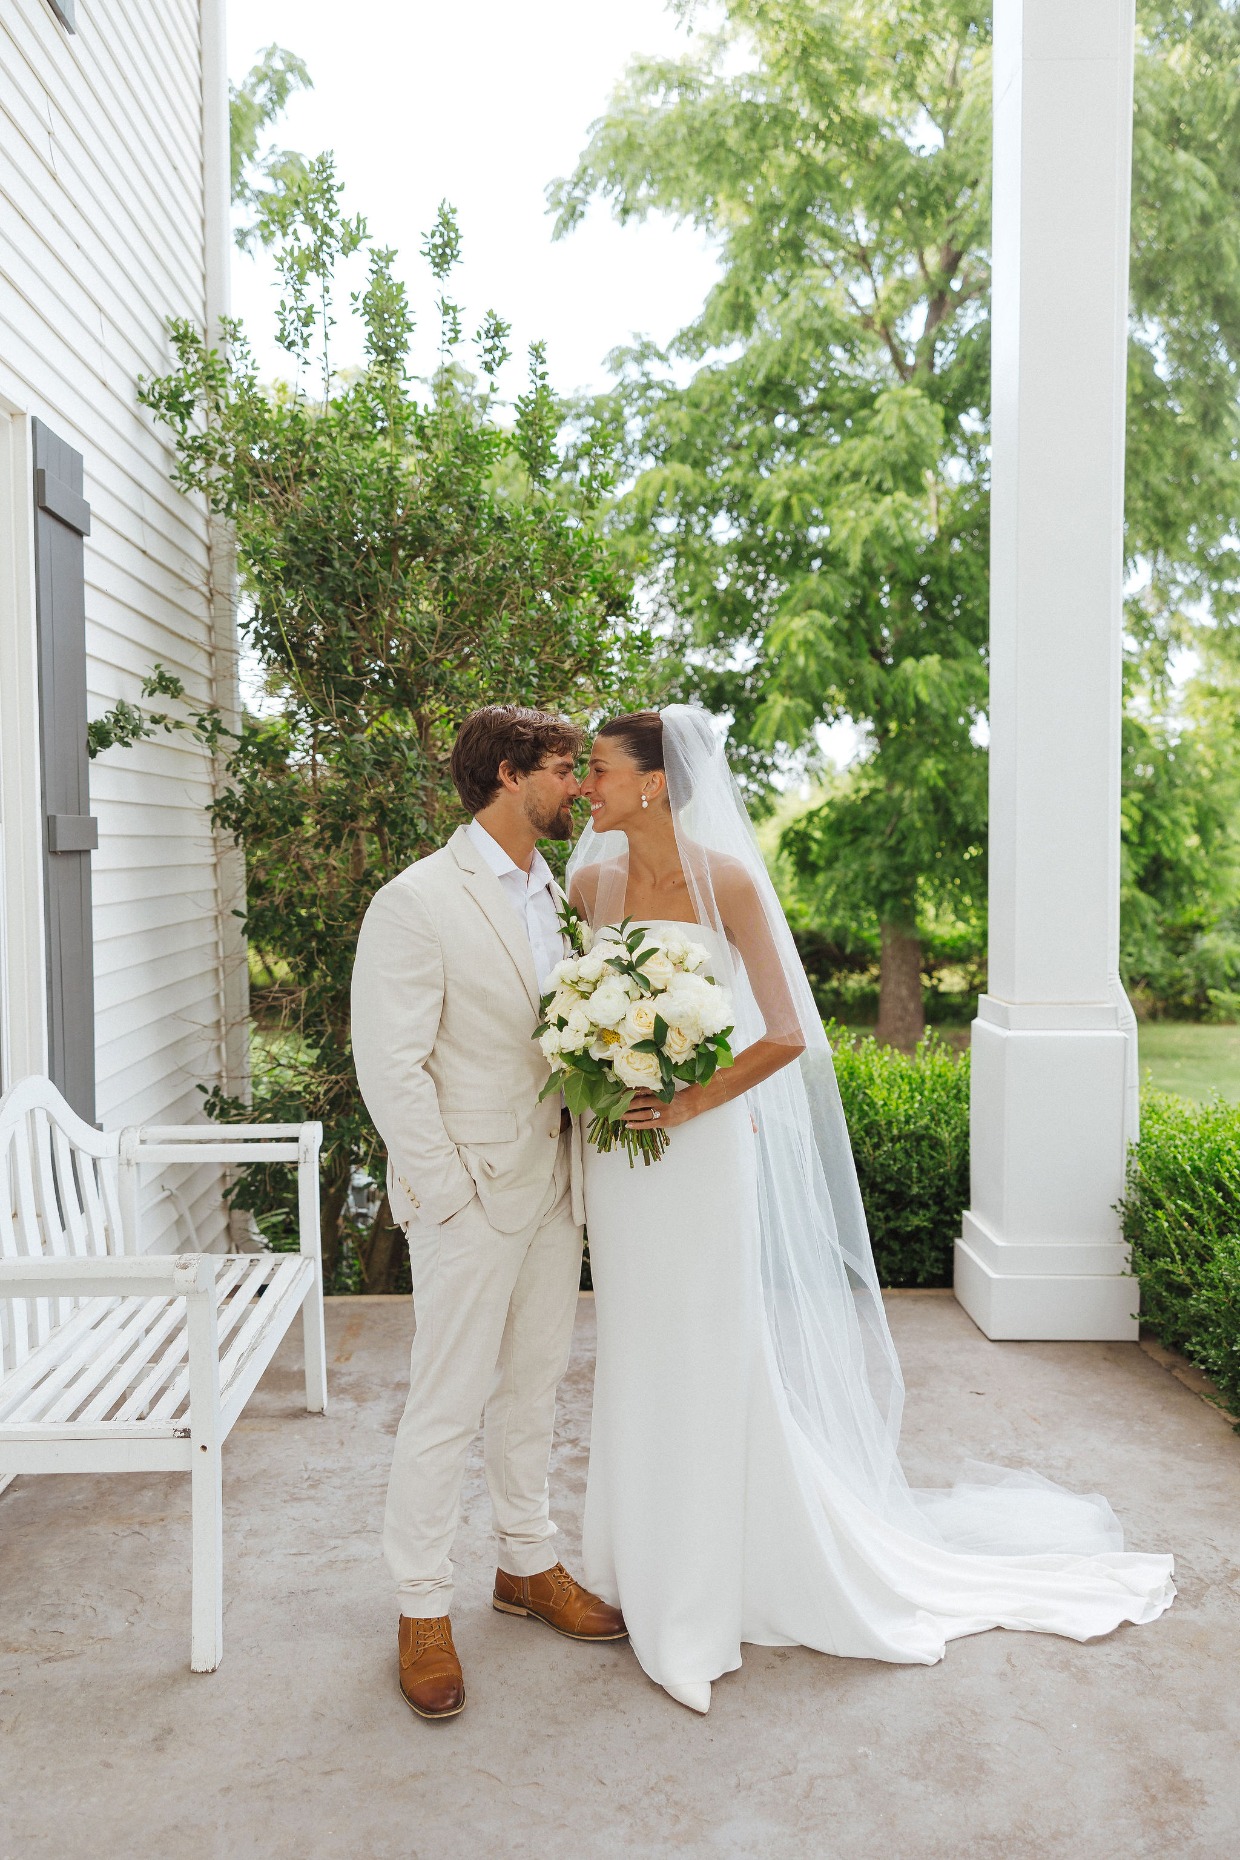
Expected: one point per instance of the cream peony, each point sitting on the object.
(577, 1032)
(609, 1003)
(551, 1044)
(640, 1070)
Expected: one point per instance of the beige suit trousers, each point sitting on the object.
(494, 1319)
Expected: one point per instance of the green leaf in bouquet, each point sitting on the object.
(645, 1046)
(554, 1083)
(577, 1093)
(660, 1029)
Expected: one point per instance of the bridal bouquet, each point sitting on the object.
(630, 1012)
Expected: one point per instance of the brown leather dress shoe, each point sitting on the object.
(563, 1604)
(431, 1680)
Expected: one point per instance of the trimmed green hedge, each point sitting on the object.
(908, 1118)
(1181, 1217)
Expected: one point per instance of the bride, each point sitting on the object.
(744, 1482)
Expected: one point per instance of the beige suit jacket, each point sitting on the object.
(445, 1002)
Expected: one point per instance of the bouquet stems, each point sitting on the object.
(648, 1144)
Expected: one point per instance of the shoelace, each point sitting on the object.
(431, 1631)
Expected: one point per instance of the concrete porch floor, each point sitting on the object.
(1016, 1747)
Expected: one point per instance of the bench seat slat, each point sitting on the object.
(230, 1310)
(144, 1393)
(121, 1337)
(266, 1312)
(118, 1335)
(73, 1338)
(124, 1365)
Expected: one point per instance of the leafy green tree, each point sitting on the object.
(812, 505)
(407, 552)
(262, 176)
(1180, 942)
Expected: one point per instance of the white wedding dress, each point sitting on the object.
(745, 1481)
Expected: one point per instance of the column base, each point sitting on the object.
(1048, 1306)
(1041, 1254)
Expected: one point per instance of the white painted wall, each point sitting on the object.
(113, 195)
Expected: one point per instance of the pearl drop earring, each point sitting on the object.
(645, 802)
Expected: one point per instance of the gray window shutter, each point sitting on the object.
(61, 520)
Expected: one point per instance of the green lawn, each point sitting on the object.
(1181, 1056)
(1191, 1059)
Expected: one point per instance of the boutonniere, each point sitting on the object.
(575, 930)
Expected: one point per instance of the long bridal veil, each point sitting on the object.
(824, 1312)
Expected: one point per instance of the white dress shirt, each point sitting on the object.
(532, 898)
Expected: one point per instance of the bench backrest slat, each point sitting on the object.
(58, 1199)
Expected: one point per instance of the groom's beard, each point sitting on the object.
(550, 825)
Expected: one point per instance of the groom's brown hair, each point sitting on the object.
(506, 733)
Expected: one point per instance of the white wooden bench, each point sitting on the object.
(115, 1360)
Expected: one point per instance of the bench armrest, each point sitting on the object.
(157, 1275)
(236, 1143)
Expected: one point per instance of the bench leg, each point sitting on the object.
(207, 1582)
(314, 1345)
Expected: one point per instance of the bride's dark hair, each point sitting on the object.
(641, 733)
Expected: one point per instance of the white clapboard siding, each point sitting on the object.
(106, 223)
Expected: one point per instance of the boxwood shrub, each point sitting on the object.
(1181, 1217)
(908, 1117)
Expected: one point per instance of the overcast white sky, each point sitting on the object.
(482, 102)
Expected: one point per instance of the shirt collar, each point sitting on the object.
(504, 867)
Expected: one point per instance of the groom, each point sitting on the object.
(485, 1180)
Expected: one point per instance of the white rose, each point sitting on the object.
(640, 1070)
(591, 967)
(609, 1003)
(679, 1045)
(695, 955)
(660, 970)
(587, 937)
(563, 1001)
(639, 1021)
(674, 949)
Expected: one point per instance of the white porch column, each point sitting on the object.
(1054, 1057)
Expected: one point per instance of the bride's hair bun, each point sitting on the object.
(641, 733)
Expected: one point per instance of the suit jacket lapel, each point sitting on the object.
(488, 894)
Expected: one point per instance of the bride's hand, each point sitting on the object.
(648, 1112)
